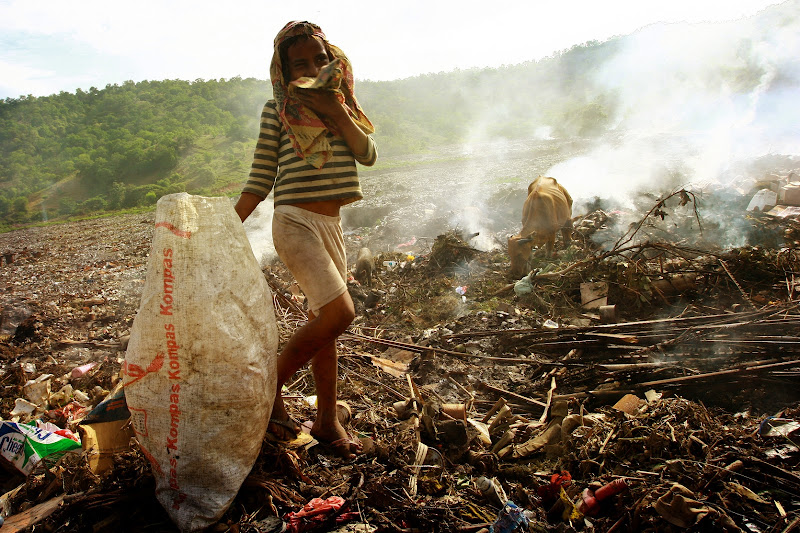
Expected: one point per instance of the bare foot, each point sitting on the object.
(336, 438)
(283, 430)
(281, 426)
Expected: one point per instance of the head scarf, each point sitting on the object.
(306, 130)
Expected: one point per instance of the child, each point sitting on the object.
(312, 133)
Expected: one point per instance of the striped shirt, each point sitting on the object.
(277, 166)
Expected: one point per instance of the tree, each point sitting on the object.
(20, 206)
(66, 206)
(116, 194)
(205, 177)
(92, 205)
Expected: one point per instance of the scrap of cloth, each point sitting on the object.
(307, 131)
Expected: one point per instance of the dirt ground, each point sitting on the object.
(679, 393)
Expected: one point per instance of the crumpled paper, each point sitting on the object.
(679, 507)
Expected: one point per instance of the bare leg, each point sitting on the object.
(327, 426)
(316, 341)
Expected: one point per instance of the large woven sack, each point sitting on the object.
(199, 371)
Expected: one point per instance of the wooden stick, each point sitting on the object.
(720, 373)
(549, 399)
(461, 355)
(499, 404)
(513, 395)
(738, 286)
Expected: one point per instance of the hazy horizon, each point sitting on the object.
(49, 46)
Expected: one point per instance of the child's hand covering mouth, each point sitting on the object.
(329, 78)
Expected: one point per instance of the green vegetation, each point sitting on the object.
(125, 146)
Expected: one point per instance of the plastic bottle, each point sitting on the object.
(590, 500)
(491, 490)
(82, 370)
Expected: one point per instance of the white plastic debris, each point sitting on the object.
(38, 390)
(22, 407)
(763, 199)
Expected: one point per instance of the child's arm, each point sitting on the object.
(264, 168)
(325, 103)
(247, 204)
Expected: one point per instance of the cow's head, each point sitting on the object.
(519, 250)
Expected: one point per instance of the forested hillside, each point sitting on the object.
(124, 146)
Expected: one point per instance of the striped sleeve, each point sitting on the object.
(370, 157)
(265, 157)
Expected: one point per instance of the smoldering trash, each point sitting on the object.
(644, 381)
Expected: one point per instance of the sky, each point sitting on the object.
(49, 46)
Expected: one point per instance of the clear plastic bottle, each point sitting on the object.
(491, 490)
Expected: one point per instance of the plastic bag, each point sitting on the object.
(24, 446)
(199, 371)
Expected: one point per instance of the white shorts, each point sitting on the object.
(312, 248)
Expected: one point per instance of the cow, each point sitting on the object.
(364, 266)
(547, 209)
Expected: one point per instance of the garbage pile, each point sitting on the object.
(641, 384)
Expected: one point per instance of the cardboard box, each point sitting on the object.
(102, 440)
(791, 194)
